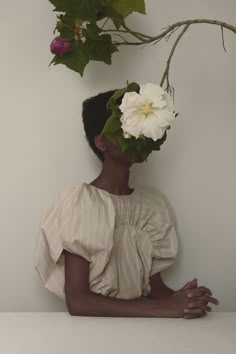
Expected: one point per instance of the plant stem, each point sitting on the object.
(149, 39)
(166, 72)
(167, 33)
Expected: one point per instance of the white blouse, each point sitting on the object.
(125, 238)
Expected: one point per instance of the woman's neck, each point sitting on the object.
(114, 178)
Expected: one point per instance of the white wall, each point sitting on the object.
(43, 148)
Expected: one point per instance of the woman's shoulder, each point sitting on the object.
(150, 192)
(158, 199)
(61, 199)
(77, 197)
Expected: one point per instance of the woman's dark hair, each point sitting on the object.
(95, 115)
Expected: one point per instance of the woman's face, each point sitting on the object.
(113, 151)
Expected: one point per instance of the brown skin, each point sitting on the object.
(190, 301)
(81, 301)
(114, 177)
(198, 297)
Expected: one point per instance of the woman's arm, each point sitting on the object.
(82, 302)
(158, 289)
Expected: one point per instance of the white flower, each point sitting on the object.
(147, 113)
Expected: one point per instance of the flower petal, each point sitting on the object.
(159, 102)
(151, 90)
(152, 129)
(165, 117)
(129, 101)
(132, 124)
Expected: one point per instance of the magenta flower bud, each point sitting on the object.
(60, 46)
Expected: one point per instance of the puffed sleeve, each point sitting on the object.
(60, 226)
(164, 249)
(161, 231)
(79, 222)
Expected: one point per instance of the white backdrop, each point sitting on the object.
(43, 147)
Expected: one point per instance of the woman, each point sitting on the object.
(102, 245)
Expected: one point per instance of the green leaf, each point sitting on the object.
(100, 49)
(117, 137)
(133, 86)
(111, 104)
(117, 19)
(130, 147)
(66, 33)
(139, 145)
(146, 153)
(126, 7)
(110, 137)
(53, 61)
(113, 124)
(125, 144)
(84, 9)
(75, 60)
(65, 26)
(92, 31)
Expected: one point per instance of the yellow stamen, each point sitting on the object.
(145, 108)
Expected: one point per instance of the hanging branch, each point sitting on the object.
(150, 39)
(166, 72)
(83, 39)
(223, 40)
(167, 33)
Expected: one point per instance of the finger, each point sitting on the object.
(189, 284)
(192, 285)
(205, 290)
(197, 304)
(211, 299)
(188, 311)
(205, 298)
(185, 286)
(194, 292)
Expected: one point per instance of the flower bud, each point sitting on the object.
(60, 46)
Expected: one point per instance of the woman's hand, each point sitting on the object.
(198, 299)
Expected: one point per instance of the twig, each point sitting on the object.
(136, 33)
(170, 34)
(157, 41)
(179, 24)
(105, 23)
(169, 31)
(223, 40)
(166, 72)
(119, 35)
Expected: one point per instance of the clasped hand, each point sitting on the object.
(197, 300)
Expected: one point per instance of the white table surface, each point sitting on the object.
(60, 333)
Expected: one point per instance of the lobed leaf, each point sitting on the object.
(76, 60)
(100, 48)
(83, 9)
(126, 7)
(113, 124)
